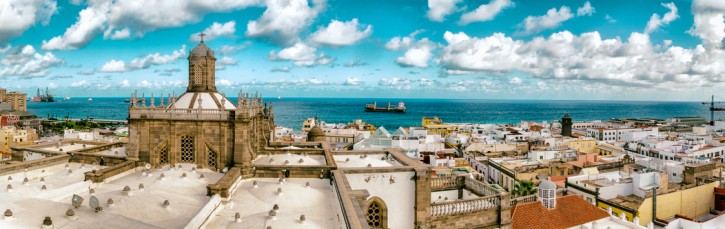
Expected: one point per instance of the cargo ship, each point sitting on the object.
(390, 108)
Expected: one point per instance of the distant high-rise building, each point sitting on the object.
(566, 124)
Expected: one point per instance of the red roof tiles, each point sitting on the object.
(569, 211)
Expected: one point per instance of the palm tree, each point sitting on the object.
(524, 188)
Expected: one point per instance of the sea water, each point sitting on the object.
(291, 112)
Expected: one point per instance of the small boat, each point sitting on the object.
(127, 101)
(279, 97)
(90, 99)
(66, 98)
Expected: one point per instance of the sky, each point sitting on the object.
(478, 49)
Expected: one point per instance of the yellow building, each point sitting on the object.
(436, 126)
(604, 149)
(583, 145)
(10, 137)
(17, 100)
(693, 203)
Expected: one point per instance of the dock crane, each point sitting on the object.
(713, 109)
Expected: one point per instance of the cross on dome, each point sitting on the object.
(202, 36)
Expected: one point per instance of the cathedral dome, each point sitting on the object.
(316, 134)
(201, 50)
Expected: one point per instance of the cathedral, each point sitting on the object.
(201, 126)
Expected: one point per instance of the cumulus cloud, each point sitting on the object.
(552, 19)
(222, 63)
(418, 55)
(130, 19)
(169, 71)
(27, 62)
(216, 30)
(655, 21)
(563, 55)
(82, 83)
(585, 10)
(301, 55)
(486, 12)
(283, 20)
(224, 83)
(609, 19)
(439, 9)
(143, 62)
(397, 83)
(709, 22)
(516, 80)
(16, 16)
(339, 33)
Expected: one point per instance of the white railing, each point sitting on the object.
(194, 114)
(464, 206)
(449, 182)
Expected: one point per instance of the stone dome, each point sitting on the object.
(315, 134)
(201, 50)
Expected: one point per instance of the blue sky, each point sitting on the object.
(488, 49)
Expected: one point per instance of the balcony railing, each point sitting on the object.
(464, 206)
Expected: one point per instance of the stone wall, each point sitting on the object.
(224, 185)
(103, 174)
(481, 219)
(21, 166)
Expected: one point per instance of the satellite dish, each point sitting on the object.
(77, 201)
(148, 166)
(95, 205)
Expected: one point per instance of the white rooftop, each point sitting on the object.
(141, 209)
(203, 100)
(450, 196)
(317, 203)
(374, 160)
(292, 159)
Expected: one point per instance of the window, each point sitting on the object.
(376, 214)
(187, 149)
(164, 155)
(197, 75)
(212, 159)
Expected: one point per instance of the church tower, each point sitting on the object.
(201, 68)
(566, 124)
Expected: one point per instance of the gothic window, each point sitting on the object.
(164, 155)
(187, 149)
(197, 75)
(212, 159)
(376, 214)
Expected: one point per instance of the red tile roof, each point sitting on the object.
(569, 211)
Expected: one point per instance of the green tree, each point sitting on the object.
(524, 188)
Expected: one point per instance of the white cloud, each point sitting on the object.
(224, 83)
(216, 30)
(418, 55)
(280, 69)
(16, 16)
(353, 81)
(82, 83)
(131, 19)
(397, 83)
(439, 9)
(552, 19)
(516, 80)
(485, 12)
(52, 85)
(655, 22)
(301, 55)
(355, 63)
(143, 62)
(284, 20)
(224, 62)
(610, 19)
(125, 84)
(231, 49)
(26, 62)
(339, 33)
(566, 56)
(585, 10)
(709, 22)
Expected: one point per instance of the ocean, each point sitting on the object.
(291, 112)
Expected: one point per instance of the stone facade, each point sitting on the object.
(201, 126)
